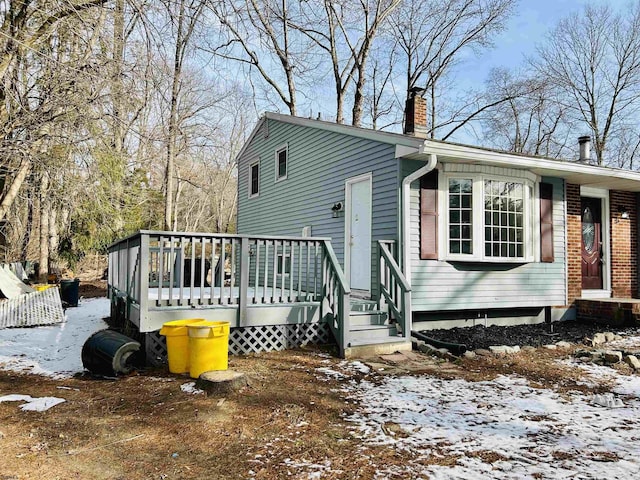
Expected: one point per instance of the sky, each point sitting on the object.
(532, 20)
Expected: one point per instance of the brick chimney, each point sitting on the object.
(415, 113)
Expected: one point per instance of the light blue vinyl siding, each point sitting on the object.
(438, 285)
(319, 163)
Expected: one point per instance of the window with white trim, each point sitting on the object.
(282, 159)
(254, 179)
(488, 217)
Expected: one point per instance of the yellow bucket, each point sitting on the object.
(208, 347)
(42, 287)
(178, 343)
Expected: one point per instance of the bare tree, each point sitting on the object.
(526, 119)
(257, 34)
(432, 35)
(593, 58)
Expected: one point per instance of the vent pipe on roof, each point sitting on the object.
(585, 148)
(415, 113)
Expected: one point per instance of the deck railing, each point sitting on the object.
(200, 270)
(394, 287)
(337, 293)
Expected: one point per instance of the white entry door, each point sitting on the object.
(358, 232)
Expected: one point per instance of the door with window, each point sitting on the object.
(591, 243)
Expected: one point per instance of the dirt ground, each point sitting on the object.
(144, 426)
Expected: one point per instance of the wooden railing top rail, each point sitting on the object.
(216, 235)
(394, 267)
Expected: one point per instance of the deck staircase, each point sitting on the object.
(371, 331)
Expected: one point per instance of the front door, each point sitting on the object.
(358, 238)
(591, 243)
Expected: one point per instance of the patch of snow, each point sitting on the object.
(190, 387)
(628, 385)
(607, 400)
(330, 373)
(531, 432)
(53, 351)
(33, 404)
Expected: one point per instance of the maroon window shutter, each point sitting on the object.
(429, 216)
(546, 222)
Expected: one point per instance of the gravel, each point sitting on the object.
(534, 335)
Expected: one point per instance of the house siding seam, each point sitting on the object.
(319, 163)
(440, 285)
(574, 243)
(624, 251)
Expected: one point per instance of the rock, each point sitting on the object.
(582, 353)
(609, 336)
(483, 352)
(607, 400)
(443, 351)
(563, 344)
(469, 354)
(595, 356)
(221, 382)
(598, 339)
(612, 356)
(632, 361)
(550, 347)
(504, 349)
(528, 348)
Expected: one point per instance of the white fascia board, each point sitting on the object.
(581, 173)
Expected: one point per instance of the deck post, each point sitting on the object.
(144, 281)
(244, 281)
(406, 313)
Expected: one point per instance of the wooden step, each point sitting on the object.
(374, 317)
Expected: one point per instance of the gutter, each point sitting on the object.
(406, 214)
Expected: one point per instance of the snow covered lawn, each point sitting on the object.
(499, 429)
(53, 351)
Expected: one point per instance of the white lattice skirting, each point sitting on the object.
(244, 340)
(32, 309)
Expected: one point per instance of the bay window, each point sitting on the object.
(488, 216)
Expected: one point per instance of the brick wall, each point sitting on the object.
(624, 245)
(574, 243)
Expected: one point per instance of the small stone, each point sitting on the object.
(443, 351)
(617, 337)
(632, 361)
(599, 339)
(550, 347)
(582, 353)
(609, 336)
(528, 348)
(563, 344)
(595, 356)
(483, 352)
(469, 354)
(504, 349)
(612, 356)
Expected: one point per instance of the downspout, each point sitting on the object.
(406, 214)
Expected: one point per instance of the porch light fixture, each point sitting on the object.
(336, 209)
(624, 213)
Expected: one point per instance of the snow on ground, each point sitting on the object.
(190, 387)
(33, 404)
(55, 350)
(499, 429)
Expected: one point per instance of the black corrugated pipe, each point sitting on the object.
(456, 349)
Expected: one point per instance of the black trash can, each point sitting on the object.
(108, 352)
(69, 291)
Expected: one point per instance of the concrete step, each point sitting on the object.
(364, 350)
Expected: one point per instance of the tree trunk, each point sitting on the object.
(7, 201)
(45, 205)
(173, 113)
(24, 250)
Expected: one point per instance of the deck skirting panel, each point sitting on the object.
(253, 339)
